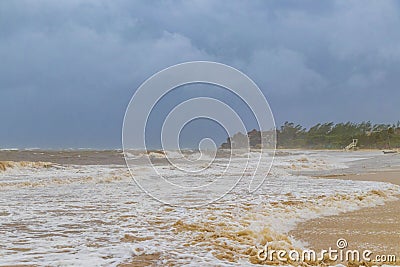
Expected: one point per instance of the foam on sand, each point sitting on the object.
(95, 214)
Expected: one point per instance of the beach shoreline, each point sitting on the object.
(373, 228)
(128, 231)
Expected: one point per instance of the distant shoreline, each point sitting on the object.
(329, 135)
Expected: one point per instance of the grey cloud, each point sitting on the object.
(69, 68)
(285, 72)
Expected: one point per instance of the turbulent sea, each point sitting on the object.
(82, 208)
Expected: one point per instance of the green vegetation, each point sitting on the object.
(323, 136)
(337, 136)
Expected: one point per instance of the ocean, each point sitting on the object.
(83, 208)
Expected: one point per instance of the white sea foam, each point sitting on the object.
(96, 215)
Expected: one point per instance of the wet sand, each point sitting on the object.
(376, 228)
(143, 261)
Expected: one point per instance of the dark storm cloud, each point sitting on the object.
(69, 68)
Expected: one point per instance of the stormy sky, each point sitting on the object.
(69, 68)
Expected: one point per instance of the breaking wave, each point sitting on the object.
(4, 165)
(124, 222)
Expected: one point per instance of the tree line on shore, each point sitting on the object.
(337, 136)
(329, 136)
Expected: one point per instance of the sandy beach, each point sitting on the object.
(374, 228)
